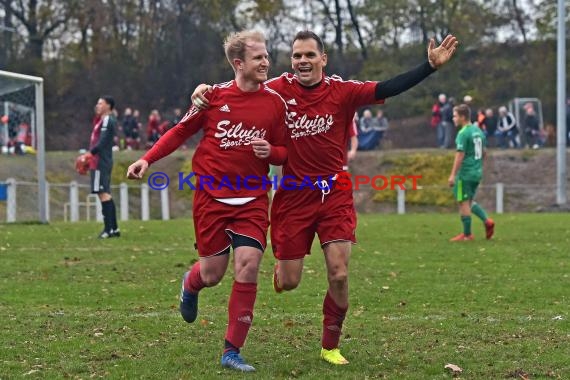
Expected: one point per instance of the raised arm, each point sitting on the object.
(437, 57)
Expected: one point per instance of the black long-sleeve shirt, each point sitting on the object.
(403, 82)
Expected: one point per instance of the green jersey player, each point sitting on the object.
(467, 172)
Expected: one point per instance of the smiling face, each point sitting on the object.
(255, 64)
(307, 61)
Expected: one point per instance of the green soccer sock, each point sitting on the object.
(479, 211)
(466, 220)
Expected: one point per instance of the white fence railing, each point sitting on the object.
(79, 202)
(89, 206)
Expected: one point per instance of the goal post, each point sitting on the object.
(12, 84)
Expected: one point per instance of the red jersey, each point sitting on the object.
(224, 153)
(94, 139)
(318, 120)
(352, 129)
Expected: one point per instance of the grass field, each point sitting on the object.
(73, 306)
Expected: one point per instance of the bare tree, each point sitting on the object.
(519, 20)
(40, 19)
(356, 25)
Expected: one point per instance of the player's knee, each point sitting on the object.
(290, 282)
(247, 270)
(212, 278)
(248, 273)
(338, 277)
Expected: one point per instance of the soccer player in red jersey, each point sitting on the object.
(239, 141)
(320, 108)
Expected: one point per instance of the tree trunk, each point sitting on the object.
(519, 20)
(338, 28)
(354, 21)
(6, 49)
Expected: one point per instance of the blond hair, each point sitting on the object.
(236, 43)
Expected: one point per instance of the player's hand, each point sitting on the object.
(137, 170)
(451, 181)
(198, 99)
(261, 148)
(438, 56)
(351, 155)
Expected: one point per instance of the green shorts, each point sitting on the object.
(464, 190)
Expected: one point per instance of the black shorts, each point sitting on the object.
(100, 181)
(239, 241)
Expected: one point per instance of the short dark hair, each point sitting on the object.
(307, 35)
(463, 110)
(109, 100)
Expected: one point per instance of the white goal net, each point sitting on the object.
(22, 134)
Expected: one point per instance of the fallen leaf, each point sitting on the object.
(455, 369)
(288, 323)
(358, 311)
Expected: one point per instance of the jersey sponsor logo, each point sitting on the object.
(225, 108)
(231, 135)
(293, 102)
(303, 125)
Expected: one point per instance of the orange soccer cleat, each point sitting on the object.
(462, 237)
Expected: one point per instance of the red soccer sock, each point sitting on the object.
(333, 316)
(194, 281)
(240, 312)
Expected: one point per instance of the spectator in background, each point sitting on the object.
(152, 128)
(177, 116)
(481, 120)
(446, 124)
(435, 113)
(532, 127)
(22, 135)
(436, 117)
(382, 122)
(135, 132)
(369, 131)
(489, 125)
(128, 126)
(164, 127)
(507, 128)
(468, 100)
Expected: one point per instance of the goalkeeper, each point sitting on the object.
(100, 159)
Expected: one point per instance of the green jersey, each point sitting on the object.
(471, 140)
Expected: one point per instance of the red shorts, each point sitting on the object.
(214, 221)
(296, 215)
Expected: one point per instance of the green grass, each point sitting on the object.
(76, 307)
